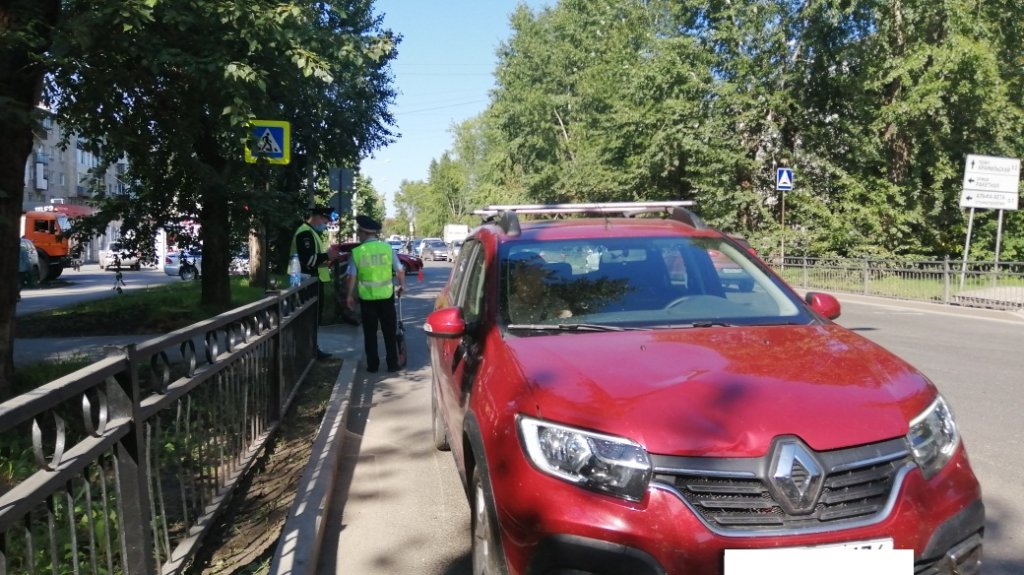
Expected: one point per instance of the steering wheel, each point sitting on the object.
(678, 301)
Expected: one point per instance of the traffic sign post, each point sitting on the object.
(784, 179)
(990, 182)
(783, 183)
(269, 140)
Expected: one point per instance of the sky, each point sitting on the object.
(443, 74)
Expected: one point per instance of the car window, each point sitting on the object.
(640, 281)
(460, 276)
(473, 295)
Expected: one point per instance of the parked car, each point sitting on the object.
(34, 272)
(410, 263)
(433, 250)
(608, 416)
(172, 261)
(422, 243)
(117, 257)
(453, 249)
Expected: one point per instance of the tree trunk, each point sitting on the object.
(214, 219)
(21, 81)
(258, 256)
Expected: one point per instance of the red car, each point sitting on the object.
(610, 417)
(410, 263)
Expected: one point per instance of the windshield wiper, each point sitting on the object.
(701, 323)
(565, 327)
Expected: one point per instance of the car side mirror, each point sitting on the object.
(824, 304)
(445, 323)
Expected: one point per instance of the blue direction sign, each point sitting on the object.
(784, 179)
(270, 140)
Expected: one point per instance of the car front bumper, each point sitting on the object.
(551, 527)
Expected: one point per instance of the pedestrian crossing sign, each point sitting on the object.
(784, 178)
(269, 140)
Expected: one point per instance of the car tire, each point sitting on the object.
(188, 274)
(440, 433)
(486, 549)
(44, 265)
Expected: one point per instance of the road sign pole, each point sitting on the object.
(782, 236)
(999, 239)
(967, 249)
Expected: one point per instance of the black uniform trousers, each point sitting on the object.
(381, 312)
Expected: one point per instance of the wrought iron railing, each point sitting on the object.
(972, 284)
(122, 466)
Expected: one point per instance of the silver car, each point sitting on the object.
(172, 262)
(453, 250)
(116, 257)
(434, 250)
(34, 273)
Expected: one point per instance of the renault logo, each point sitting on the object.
(796, 477)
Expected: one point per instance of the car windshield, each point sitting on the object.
(640, 282)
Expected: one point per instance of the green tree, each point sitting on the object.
(171, 87)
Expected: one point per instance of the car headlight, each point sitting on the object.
(605, 463)
(933, 437)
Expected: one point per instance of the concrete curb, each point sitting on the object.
(298, 547)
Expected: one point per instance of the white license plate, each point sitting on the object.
(869, 545)
(835, 559)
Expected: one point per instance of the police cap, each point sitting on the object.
(323, 211)
(368, 224)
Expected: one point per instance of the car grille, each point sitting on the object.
(735, 496)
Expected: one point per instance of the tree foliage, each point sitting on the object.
(873, 103)
(172, 86)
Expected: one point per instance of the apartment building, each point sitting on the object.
(54, 175)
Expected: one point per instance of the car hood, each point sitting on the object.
(722, 391)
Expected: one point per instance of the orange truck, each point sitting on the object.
(48, 228)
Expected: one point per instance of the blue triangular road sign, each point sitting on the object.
(268, 144)
(784, 179)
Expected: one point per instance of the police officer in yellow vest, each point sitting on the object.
(370, 271)
(313, 259)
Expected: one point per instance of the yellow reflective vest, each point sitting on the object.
(323, 272)
(374, 270)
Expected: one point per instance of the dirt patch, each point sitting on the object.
(245, 536)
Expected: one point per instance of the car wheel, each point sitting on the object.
(188, 274)
(487, 556)
(440, 433)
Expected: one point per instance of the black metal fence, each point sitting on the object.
(972, 284)
(122, 466)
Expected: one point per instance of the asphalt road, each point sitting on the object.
(976, 359)
(89, 283)
(400, 508)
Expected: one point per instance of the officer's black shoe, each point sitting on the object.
(323, 355)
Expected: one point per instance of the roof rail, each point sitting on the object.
(506, 216)
(508, 221)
